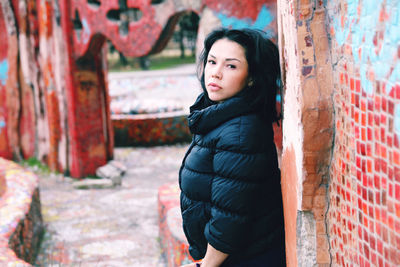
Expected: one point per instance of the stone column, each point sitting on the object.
(307, 129)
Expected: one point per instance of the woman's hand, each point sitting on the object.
(213, 258)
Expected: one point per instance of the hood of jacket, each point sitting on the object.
(204, 118)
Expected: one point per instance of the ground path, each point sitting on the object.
(109, 227)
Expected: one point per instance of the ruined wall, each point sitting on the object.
(364, 213)
(31, 106)
(341, 182)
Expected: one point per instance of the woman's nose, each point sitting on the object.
(217, 73)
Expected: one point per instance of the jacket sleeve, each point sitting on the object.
(236, 195)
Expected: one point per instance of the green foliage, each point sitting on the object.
(35, 164)
(156, 63)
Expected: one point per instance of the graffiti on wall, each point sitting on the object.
(263, 20)
(246, 14)
(371, 50)
(3, 71)
(365, 183)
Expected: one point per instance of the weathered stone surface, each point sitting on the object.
(172, 239)
(113, 170)
(21, 225)
(93, 184)
(306, 240)
(3, 185)
(308, 118)
(25, 240)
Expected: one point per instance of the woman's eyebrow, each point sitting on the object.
(227, 59)
(230, 59)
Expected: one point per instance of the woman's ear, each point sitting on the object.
(250, 82)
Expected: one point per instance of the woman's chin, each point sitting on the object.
(214, 97)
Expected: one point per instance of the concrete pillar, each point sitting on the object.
(307, 129)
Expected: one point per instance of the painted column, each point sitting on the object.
(34, 131)
(9, 91)
(307, 130)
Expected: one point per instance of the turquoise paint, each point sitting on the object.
(397, 120)
(395, 76)
(341, 34)
(366, 85)
(3, 71)
(362, 30)
(2, 124)
(264, 18)
(86, 31)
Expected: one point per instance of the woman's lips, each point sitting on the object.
(214, 87)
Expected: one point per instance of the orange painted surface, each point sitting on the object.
(289, 193)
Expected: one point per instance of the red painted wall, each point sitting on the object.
(5, 150)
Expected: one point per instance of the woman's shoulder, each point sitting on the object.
(246, 133)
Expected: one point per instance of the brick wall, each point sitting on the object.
(342, 75)
(364, 192)
(307, 130)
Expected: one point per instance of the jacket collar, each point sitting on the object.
(204, 118)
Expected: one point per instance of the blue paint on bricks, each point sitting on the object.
(264, 18)
(3, 71)
(395, 76)
(363, 28)
(342, 33)
(397, 120)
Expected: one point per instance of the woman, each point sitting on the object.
(231, 199)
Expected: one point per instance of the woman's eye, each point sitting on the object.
(231, 66)
(210, 61)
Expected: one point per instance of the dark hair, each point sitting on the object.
(262, 57)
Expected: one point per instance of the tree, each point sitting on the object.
(187, 33)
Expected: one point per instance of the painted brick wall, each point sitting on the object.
(342, 76)
(364, 192)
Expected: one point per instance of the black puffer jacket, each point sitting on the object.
(230, 181)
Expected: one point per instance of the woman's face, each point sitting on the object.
(226, 70)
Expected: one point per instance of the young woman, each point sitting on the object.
(231, 198)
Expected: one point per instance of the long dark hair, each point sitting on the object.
(264, 70)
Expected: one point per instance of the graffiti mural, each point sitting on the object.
(365, 184)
